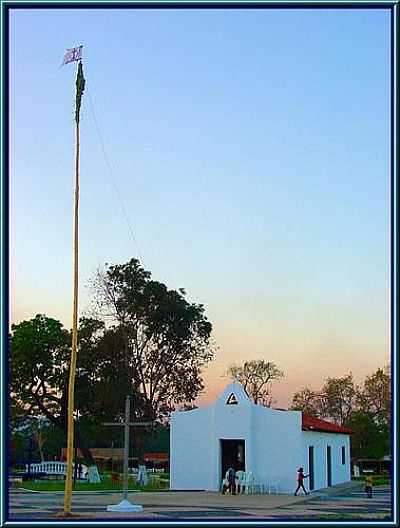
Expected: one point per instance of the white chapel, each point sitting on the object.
(270, 443)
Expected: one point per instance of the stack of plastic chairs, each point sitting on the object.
(224, 482)
(250, 484)
(273, 486)
(247, 483)
(257, 488)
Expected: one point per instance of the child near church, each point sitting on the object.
(300, 481)
(368, 486)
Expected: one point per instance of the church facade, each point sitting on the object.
(271, 443)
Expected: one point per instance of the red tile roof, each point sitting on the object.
(310, 423)
(156, 456)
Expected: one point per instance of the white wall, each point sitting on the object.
(278, 446)
(320, 441)
(191, 449)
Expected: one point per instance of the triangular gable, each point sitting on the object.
(234, 394)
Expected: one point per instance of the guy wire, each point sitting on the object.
(113, 179)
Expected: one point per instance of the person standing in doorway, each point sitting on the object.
(300, 481)
(231, 477)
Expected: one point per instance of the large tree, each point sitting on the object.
(364, 408)
(336, 401)
(39, 368)
(308, 401)
(39, 351)
(368, 440)
(160, 341)
(339, 397)
(374, 396)
(256, 377)
(155, 346)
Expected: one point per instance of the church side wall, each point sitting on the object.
(340, 472)
(190, 466)
(277, 447)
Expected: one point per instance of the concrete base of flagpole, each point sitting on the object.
(67, 514)
(125, 506)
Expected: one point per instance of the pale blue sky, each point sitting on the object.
(251, 148)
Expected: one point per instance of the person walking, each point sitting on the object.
(368, 486)
(300, 481)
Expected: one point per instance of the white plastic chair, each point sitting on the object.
(247, 482)
(240, 481)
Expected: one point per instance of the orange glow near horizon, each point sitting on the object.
(306, 359)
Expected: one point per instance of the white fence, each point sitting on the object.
(148, 470)
(53, 468)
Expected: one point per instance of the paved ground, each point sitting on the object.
(345, 501)
(349, 504)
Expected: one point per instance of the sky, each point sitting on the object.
(243, 155)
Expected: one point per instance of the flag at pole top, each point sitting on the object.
(73, 54)
(80, 87)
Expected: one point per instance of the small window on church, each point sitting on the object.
(232, 400)
(343, 455)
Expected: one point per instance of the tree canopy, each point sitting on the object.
(39, 353)
(161, 340)
(364, 408)
(39, 370)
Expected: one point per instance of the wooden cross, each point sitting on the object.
(126, 424)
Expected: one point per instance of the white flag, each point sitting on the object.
(73, 54)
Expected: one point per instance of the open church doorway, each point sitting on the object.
(232, 455)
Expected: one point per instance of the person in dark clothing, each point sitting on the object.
(231, 480)
(300, 481)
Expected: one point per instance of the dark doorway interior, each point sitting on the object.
(329, 464)
(232, 454)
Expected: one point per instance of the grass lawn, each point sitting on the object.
(155, 484)
(377, 480)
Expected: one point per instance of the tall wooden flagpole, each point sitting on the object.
(80, 86)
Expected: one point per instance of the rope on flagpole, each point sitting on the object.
(112, 178)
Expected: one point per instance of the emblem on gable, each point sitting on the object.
(232, 400)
